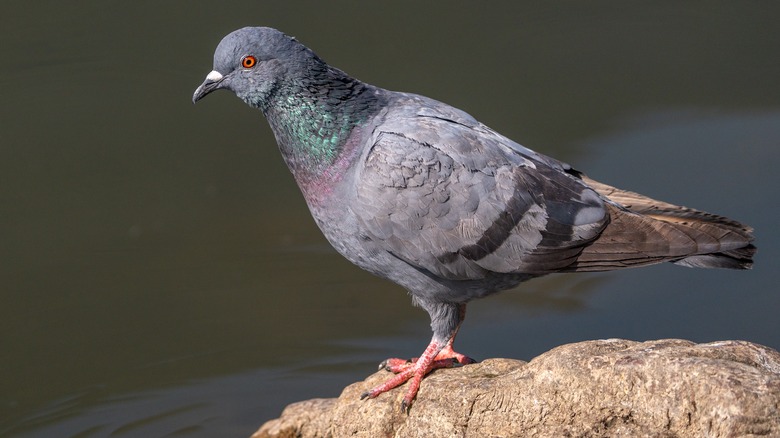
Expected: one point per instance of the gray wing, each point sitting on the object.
(447, 194)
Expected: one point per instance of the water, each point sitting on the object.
(160, 274)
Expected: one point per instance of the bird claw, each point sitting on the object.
(415, 369)
(464, 360)
(396, 365)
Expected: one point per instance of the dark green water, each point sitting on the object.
(160, 274)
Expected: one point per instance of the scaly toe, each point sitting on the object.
(396, 365)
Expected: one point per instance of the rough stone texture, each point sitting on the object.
(615, 388)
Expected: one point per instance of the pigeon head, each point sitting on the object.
(311, 107)
(252, 63)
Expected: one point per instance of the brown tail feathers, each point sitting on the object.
(645, 231)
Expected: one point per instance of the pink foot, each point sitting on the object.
(415, 369)
(449, 353)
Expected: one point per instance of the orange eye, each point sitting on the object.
(248, 61)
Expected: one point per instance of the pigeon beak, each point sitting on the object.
(213, 82)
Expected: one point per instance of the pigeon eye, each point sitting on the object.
(248, 61)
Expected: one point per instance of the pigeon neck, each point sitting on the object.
(313, 120)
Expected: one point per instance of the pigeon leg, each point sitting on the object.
(447, 352)
(446, 358)
(435, 356)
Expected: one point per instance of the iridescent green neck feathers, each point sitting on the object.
(313, 117)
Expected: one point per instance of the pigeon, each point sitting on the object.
(422, 194)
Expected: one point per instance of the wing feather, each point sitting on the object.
(446, 194)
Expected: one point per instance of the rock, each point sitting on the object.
(615, 388)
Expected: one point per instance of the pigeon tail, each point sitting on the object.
(644, 231)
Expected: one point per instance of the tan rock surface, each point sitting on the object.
(615, 388)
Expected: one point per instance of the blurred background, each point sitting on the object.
(160, 274)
